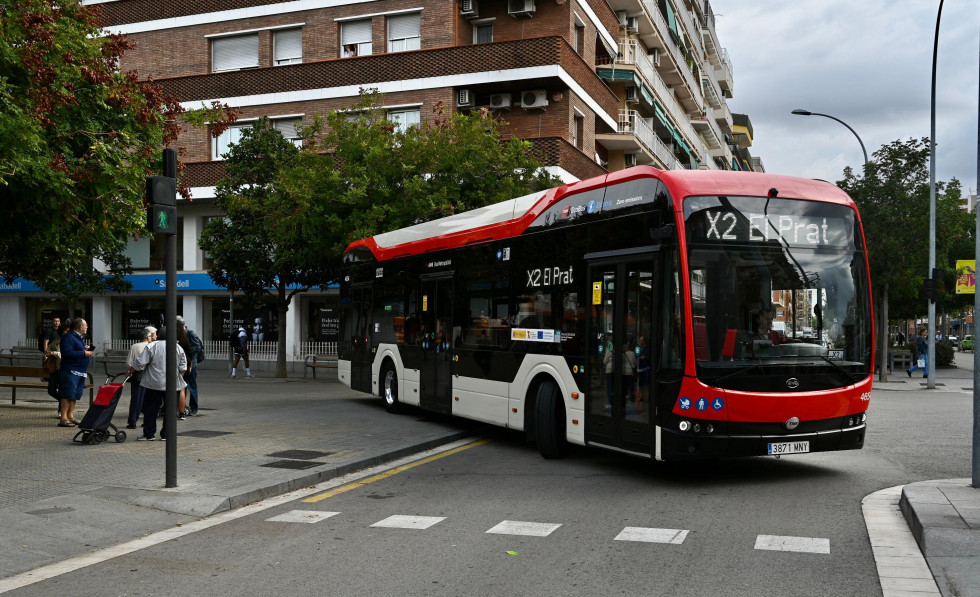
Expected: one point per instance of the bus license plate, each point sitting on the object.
(789, 448)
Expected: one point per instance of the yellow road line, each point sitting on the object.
(389, 473)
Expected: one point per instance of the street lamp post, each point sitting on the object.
(802, 112)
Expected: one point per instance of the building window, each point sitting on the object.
(234, 53)
(355, 38)
(405, 119)
(580, 39)
(578, 131)
(288, 46)
(482, 33)
(404, 32)
(286, 126)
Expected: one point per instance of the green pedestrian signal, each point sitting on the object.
(161, 211)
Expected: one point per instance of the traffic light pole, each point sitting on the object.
(170, 414)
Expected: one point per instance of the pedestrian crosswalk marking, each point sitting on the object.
(517, 527)
(798, 544)
(399, 521)
(647, 535)
(308, 516)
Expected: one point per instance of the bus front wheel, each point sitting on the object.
(389, 389)
(550, 421)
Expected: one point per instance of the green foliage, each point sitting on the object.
(77, 138)
(375, 177)
(944, 354)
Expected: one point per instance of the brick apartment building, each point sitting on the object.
(595, 85)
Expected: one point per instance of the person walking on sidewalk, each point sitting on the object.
(136, 391)
(921, 347)
(72, 374)
(241, 351)
(195, 356)
(49, 336)
(153, 363)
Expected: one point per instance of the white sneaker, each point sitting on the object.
(249, 375)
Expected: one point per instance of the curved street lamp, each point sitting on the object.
(802, 112)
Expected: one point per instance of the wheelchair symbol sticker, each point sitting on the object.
(717, 404)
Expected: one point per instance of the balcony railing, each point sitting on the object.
(661, 24)
(630, 122)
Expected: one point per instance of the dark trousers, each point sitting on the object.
(152, 401)
(191, 379)
(136, 393)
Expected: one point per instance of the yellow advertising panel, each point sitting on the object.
(966, 281)
(597, 293)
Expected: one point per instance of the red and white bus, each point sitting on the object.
(667, 314)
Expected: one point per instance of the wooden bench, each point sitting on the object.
(899, 358)
(36, 374)
(24, 355)
(113, 356)
(319, 361)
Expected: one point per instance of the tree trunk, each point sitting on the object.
(283, 305)
(883, 365)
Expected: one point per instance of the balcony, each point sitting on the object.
(635, 132)
(680, 71)
(710, 132)
(724, 73)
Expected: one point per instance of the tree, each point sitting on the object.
(893, 198)
(365, 175)
(252, 251)
(77, 138)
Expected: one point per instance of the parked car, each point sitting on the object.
(954, 340)
(967, 343)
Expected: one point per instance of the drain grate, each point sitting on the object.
(204, 433)
(299, 454)
(297, 465)
(51, 511)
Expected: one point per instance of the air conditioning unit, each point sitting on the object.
(630, 159)
(469, 9)
(632, 95)
(464, 98)
(537, 98)
(632, 24)
(500, 100)
(621, 15)
(655, 56)
(520, 8)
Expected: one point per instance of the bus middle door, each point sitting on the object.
(362, 358)
(435, 337)
(621, 318)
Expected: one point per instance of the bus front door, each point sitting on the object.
(361, 358)
(620, 325)
(436, 343)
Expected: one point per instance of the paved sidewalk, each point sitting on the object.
(253, 438)
(944, 514)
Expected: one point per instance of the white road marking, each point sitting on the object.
(798, 544)
(647, 535)
(307, 516)
(516, 527)
(399, 521)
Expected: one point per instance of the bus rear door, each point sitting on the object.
(436, 343)
(621, 318)
(361, 356)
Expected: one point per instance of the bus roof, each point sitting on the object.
(512, 217)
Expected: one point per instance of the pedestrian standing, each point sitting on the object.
(184, 344)
(241, 352)
(153, 363)
(136, 391)
(49, 335)
(194, 358)
(75, 355)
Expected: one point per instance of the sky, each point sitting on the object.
(868, 63)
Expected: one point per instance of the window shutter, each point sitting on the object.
(230, 53)
(356, 32)
(287, 127)
(404, 26)
(484, 34)
(288, 44)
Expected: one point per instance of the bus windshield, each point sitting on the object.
(778, 291)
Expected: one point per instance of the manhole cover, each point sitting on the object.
(299, 454)
(204, 433)
(293, 464)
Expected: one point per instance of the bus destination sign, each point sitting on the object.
(792, 229)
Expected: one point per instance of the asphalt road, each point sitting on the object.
(707, 522)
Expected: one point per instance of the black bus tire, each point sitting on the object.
(550, 421)
(389, 389)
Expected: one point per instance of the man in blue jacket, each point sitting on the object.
(75, 357)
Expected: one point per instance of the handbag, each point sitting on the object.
(921, 363)
(50, 364)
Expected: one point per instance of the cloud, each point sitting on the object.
(868, 63)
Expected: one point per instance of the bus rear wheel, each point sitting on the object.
(389, 389)
(550, 421)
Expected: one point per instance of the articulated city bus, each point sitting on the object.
(667, 314)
